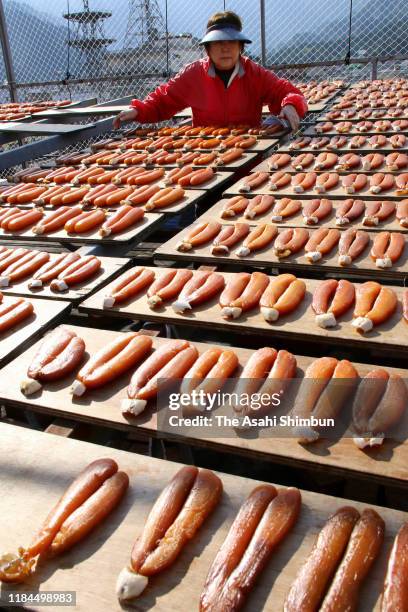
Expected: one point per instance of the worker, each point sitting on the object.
(225, 88)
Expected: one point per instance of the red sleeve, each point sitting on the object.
(166, 100)
(278, 92)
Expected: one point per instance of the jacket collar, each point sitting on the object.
(238, 70)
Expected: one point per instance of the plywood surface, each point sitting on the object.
(110, 268)
(263, 143)
(390, 225)
(148, 224)
(43, 128)
(191, 196)
(337, 192)
(31, 484)
(364, 149)
(355, 119)
(45, 314)
(312, 132)
(264, 167)
(299, 324)
(237, 164)
(363, 264)
(218, 180)
(102, 407)
(84, 110)
(187, 112)
(318, 107)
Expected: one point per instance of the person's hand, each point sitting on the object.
(289, 113)
(127, 115)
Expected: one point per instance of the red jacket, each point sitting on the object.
(197, 86)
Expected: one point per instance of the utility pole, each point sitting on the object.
(8, 62)
(263, 36)
(145, 23)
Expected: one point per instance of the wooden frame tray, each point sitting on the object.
(262, 144)
(365, 149)
(386, 464)
(83, 111)
(352, 119)
(91, 567)
(216, 181)
(110, 269)
(263, 167)
(343, 99)
(40, 129)
(336, 193)
(146, 226)
(191, 196)
(363, 265)
(45, 315)
(238, 164)
(318, 107)
(312, 108)
(311, 131)
(187, 112)
(390, 225)
(298, 325)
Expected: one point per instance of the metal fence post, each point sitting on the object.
(263, 37)
(8, 62)
(374, 68)
(166, 21)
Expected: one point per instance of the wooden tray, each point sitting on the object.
(336, 193)
(218, 180)
(318, 107)
(149, 223)
(342, 99)
(91, 567)
(83, 111)
(191, 196)
(263, 167)
(386, 464)
(352, 119)
(187, 112)
(390, 225)
(312, 108)
(365, 149)
(262, 144)
(363, 265)
(110, 269)
(39, 129)
(298, 325)
(20, 119)
(311, 131)
(16, 340)
(243, 161)
(329, 98)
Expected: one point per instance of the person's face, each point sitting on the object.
(224, 53)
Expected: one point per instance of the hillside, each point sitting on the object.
(40, 56)
(378, 28)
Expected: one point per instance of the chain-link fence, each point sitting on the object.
(102, 49)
